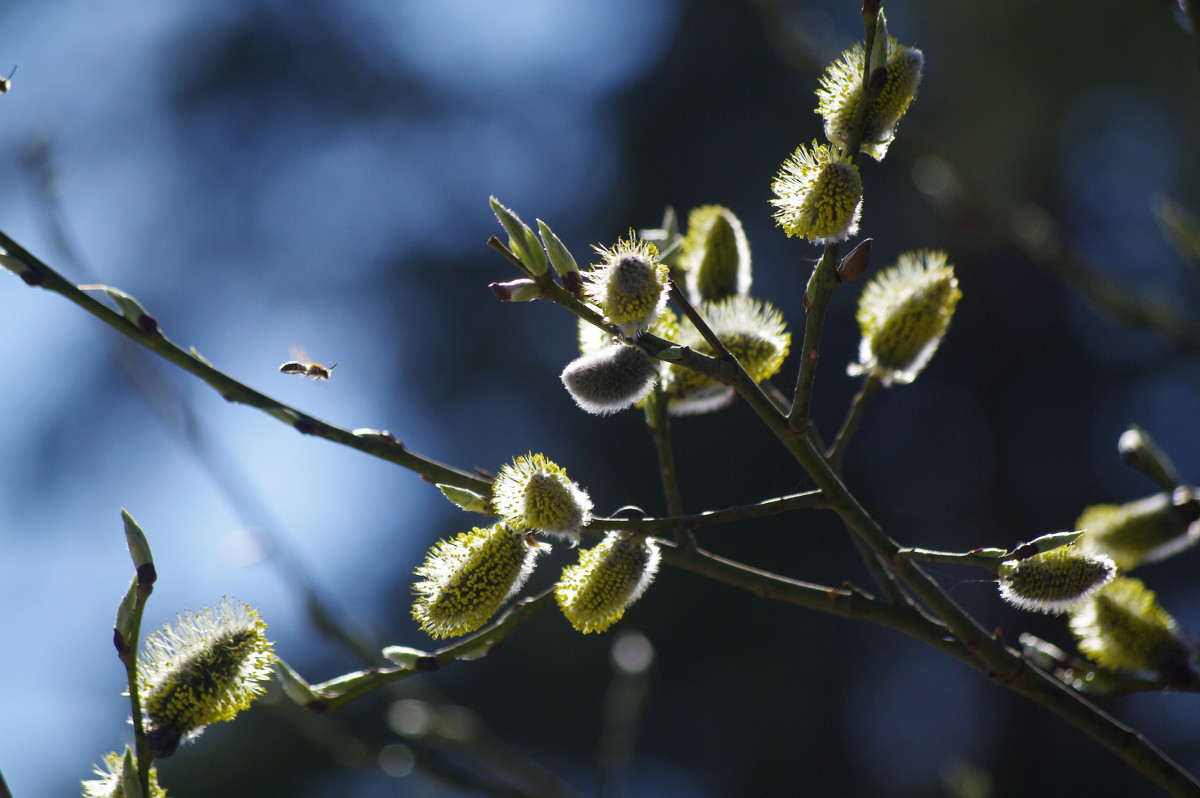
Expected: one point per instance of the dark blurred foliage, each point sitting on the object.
(376, 258)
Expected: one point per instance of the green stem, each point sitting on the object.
(658, 421)
(336, 693)
(128, 654)
(978, 558)
(824, 280)
(858, 406)
(144, 331)
(821, 285)
(781, 504)
(845, 603)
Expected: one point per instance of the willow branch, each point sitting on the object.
(858, 407)
(658, 421)
(144, 330)
(336, 693)
(821, 286)
(781, 504)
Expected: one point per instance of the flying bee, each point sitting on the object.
(6, 83)
(300, 364)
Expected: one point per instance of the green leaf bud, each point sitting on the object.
(1055, 581)
(611, 379)
(132, 310)
(295, 687)
(595, 592)
(468, 500)
(535, 493)
(139, 550)
(118, 779)
(405, 657)
(1123, 628)
(468, 578)
(520, 290)
(818, 195)
(879, 42)
(1146, 530)
(1139, 451)
(560, 257)
(20, 268)
(903, 313)
(125, 627)
(131, 786)
(1043, 544)
(521, 239)
(205, 667)
(630, 285)
(715, 255)
(371, 432)
(1046, 655)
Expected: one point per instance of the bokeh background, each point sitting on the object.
(261, 174)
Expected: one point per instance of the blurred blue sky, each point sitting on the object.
(249, 218)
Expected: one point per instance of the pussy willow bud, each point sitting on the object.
(205, 667)
(520, 290)
(610, 379)
(1141, 452)
(818, 195)
(629, 285)
(715, 255)
(114, 778)
(1146, 530)
(840, 94)
(1055, 581)
(903, 313)
(468, 578)
(753, 331)
(595, 592)
(1123, 628)
(534, 493)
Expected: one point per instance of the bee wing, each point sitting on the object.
(299, 353)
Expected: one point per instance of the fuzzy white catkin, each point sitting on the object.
(610, 379)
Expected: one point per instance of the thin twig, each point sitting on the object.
(658, 421)
(780, 504)
(337, 692)
(821, 286)
(144, 330)
(858, 406)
